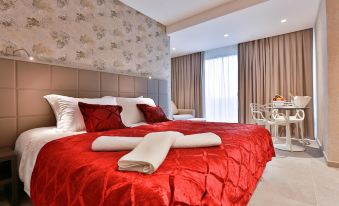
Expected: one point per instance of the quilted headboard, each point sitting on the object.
(23, 84)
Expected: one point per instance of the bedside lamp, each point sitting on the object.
(31, 58)
(146, 74)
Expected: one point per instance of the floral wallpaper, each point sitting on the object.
(103, 35)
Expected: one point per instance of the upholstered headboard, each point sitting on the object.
(23, 84)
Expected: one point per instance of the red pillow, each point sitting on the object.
(101, 117)
(152, 114)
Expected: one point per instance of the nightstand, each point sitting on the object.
(8, 172)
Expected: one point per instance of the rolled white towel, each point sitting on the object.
(207, 139)
(117, 143)
(147, 156)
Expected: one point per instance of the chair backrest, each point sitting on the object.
(300, 114)
(257, 112)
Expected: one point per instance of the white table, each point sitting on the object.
(288, 146)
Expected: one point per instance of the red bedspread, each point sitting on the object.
(67, 172)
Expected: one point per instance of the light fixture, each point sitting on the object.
(283, 20)
(146, 75)
(31, 58)
(226, 35)
(173, 49)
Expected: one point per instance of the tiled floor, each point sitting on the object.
(298, 179)
(290, 179)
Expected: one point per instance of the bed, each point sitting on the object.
(62, 169)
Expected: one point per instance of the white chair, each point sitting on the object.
(258, 114)
(182, 114)
(270, 118)
(299, 117)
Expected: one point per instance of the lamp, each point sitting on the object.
(146, 74)
(31, 58)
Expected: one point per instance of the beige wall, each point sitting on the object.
(104, 35)
(327, 44)
(332, 9)
(321, 59)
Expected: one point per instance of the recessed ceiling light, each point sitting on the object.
(173, 49)
(31, 58)
(283, 21)
(226, 35)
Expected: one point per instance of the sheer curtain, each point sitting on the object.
(221, 89)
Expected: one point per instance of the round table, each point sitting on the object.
(288, 146)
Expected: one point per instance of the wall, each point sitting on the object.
(322, 88)
(103, 35)
(332, 9)
(327, 40)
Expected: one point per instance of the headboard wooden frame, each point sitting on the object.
(23, 84)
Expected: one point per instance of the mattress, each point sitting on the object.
(67, 172)
(29, 144)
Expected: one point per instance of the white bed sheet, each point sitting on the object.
(29, 144)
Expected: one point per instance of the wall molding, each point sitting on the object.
(328, 162)
(213, 13)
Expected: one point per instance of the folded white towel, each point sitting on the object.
(111, 143)
(150, 153)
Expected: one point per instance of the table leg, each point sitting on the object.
(288, 132)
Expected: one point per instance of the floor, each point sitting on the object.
(298, 179)
(290, 179)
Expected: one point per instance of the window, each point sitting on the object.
(221, 88)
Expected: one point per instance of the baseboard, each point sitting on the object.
(320, 145)
(330, 163)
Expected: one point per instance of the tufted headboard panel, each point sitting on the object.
(23, 84)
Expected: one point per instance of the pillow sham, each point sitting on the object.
(67, 112)
(101, 117)
(152, 114)
(131, 114)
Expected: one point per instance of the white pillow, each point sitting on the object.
(67, 112)
(130, 113)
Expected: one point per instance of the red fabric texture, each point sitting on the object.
(99, 118)
(67, 172)
(152, 114)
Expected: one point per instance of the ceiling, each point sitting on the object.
(241, 24)
(168, 12)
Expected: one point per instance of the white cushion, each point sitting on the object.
(182, 116)
(67, 113)
(174, 108)
(130, 113)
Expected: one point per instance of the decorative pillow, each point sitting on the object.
(152, 114)
(101, 117)
(174, 108)
(67, 113)
(131, 114)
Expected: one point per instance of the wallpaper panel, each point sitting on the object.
(103, 35)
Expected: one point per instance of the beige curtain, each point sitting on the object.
(276, 65)
(187, 82)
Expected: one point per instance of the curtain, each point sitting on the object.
(186, 76)
(276, 65)
(221, 89)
